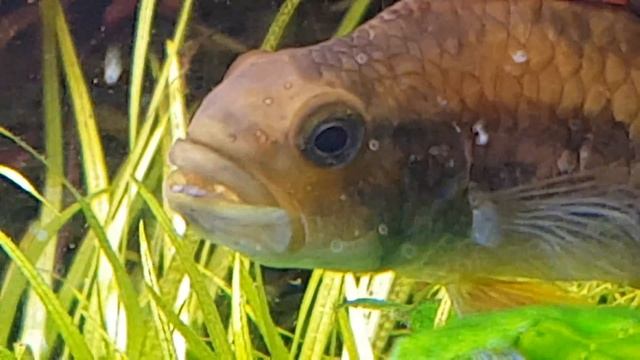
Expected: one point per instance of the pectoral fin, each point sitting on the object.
(566, 212)
(486, 295)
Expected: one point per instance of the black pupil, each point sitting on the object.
(332, 139)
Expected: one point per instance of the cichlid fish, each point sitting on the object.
(471, 143)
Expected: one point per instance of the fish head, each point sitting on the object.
(295, 170)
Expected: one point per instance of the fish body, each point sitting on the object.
(449, 140)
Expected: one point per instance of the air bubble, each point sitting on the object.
(519, 56)
(268, 101)
(362, 58)
(408, 250)
(482, 136)
(374, 145)
(336, 246)
(383, 229)
(42, 235)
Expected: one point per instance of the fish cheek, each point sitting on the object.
(417, 173)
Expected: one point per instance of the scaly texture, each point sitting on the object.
(517, 56)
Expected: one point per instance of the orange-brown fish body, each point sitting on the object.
(358, 153)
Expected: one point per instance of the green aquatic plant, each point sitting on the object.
(179, 297)
(534, 333)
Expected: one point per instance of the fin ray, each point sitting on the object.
(490, 294)
(598, 206)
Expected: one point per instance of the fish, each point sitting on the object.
(492, 146)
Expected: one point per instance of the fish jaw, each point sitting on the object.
(264, 233)
(226, 202)
(250, 229)
(230, 207)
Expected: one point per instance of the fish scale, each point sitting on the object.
(566, 58)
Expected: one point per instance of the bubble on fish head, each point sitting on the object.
(374, 145)
(519, 56)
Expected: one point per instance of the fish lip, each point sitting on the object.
(226, 203)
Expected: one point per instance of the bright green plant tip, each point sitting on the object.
(534, 332)
(74, 340)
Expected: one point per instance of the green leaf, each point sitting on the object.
(141, 46)
(196, 345)
(69, 332)
(544, 332)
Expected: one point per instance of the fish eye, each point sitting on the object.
(334, 139)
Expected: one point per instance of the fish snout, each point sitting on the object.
(227, 204)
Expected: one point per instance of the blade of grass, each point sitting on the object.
(177, 130)
(321, 323)
(257, 299)
(69, 332)
(305, 308)
(239, 324)
(196, 345)
(212, 319)
(141, 45)
(358, 317)
(400, 292)
(347, 334)
(183, 22)
(94, 166)
(128, 295)
(22, 182)
(34, 326)
(353, 17)
(93, 160)
(160, 320)
(279, 24)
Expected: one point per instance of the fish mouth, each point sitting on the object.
(227, 204)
